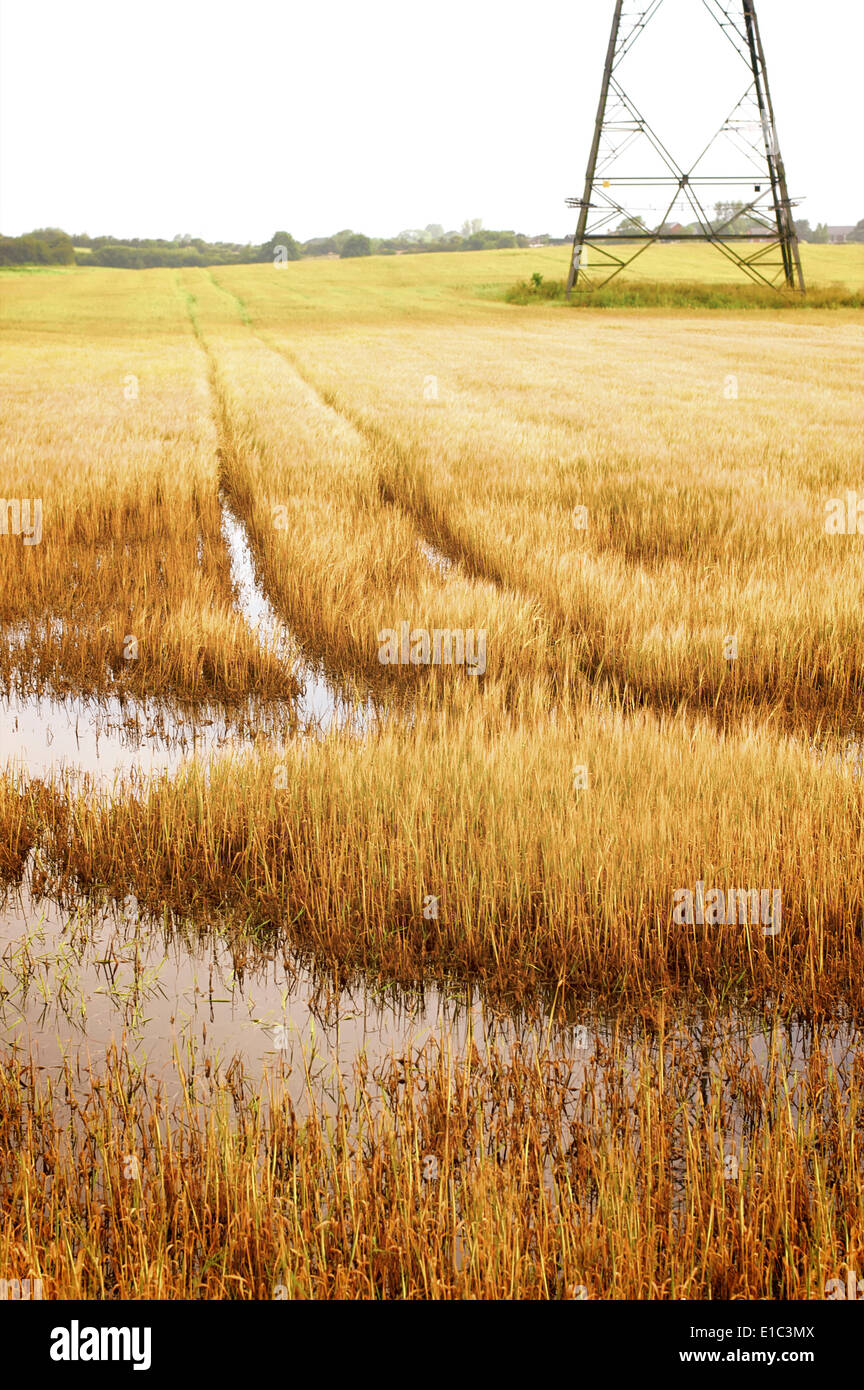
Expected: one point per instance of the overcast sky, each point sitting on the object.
(233, 121)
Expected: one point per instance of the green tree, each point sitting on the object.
(320, 246)
(44, 246)
(280, 247)
(356, 245)
(339, 238)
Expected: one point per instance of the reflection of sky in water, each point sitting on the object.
(194, 996)
(112, 738)
(319, 706)
(261, 1004)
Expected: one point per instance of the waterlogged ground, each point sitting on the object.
(185, 1000)
(76, 980)
(126, 739)
(320, 706)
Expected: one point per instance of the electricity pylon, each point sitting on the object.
(755, 231)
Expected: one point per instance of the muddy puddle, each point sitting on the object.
(115, 739)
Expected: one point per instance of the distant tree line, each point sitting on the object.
(51, 246)
(818, 234)
(47, 246)
(473, 236)
(184, 250)
(821, 233)
(734, 218)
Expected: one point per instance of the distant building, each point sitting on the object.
(837, 235)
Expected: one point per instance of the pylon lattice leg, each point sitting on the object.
(757, 235)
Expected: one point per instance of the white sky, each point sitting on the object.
(232, 121)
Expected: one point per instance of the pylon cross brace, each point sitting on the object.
(750, 127)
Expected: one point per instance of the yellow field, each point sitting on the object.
(631, 508)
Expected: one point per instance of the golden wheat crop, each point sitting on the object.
(635, 517)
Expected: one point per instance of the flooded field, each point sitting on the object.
(133, 1030)
(108, 739)
(80, 981)
(328, 977)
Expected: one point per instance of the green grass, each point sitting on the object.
(681, 294)
(35, 269)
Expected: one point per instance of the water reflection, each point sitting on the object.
(78, 979)
(106, 739)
